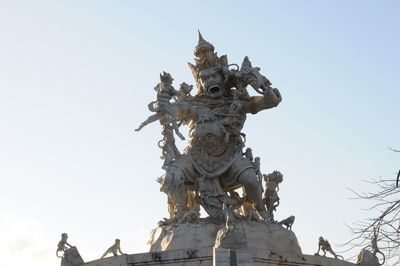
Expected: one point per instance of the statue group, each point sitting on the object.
(215, 163)
(218, 173)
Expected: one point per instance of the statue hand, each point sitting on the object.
(272, 97)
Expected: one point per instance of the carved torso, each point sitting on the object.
(214, 135)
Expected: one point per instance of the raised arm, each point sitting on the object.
(270, 99)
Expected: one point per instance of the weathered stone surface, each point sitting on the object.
(71, 257)
(269, 237)
(367, 258)
(227, 257)
(110, 261)
(208, 257)
(233, 239)
(197, 235)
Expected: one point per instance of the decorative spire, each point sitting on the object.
(202, 46)
(200, 37)
(205, 58)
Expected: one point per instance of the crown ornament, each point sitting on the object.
(205, 58)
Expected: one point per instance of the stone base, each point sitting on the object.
(250, 235)
(217, 257)
(71, 257)
(205, 243)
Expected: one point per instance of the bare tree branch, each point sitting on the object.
(393, 149)
(386, 201)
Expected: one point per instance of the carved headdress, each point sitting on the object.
(205, 58)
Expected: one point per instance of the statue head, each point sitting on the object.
(186, 88)
(117, 241)
(166, 78)
(64, 236)
(210, 70)
(276, 176)
(212, 80)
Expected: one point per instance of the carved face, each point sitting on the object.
(212, 80)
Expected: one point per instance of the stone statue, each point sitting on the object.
(184, 91)
(251, 214)
(374, 245)
(114, 249)
(192, 215)
(63, 244)
(288, 222)
(169, 150)
(162, 106)
(70, 256)
(271, 198)
(229, 218)
(249, 154)
(213, 164)
(257, 166)
(323, 244)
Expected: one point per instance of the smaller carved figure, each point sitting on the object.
(271, 198)
(248, 154)
(63, 244)
(323, 244)
(210, 195)
(229, 219)
(252, 215)
(257, 166)
(374, 245)
(251, 75)
(114, 249)
(184, 91)
(191, 216)
(288, 222)
(169, 150)
(162, 106)
(236, 202)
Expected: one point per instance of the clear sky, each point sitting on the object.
(76, 78)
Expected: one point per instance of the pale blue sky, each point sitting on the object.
(76, 78)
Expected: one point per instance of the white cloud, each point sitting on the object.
(24, 242)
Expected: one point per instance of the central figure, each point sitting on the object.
(213, 165)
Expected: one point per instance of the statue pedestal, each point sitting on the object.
(216, 257)
(71, 257)
(204, 244)
(247, 235)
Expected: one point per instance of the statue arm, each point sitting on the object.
(319, 246)
(120, 251)
(182, 110)
(270, 99)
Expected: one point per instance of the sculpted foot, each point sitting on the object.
(265, 215)
(140, 127)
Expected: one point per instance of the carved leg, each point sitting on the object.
(270, 208)
(171, 208)
(176, 127)
(104, 254)
(176, 190)
(249, 180)
(149, 120)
